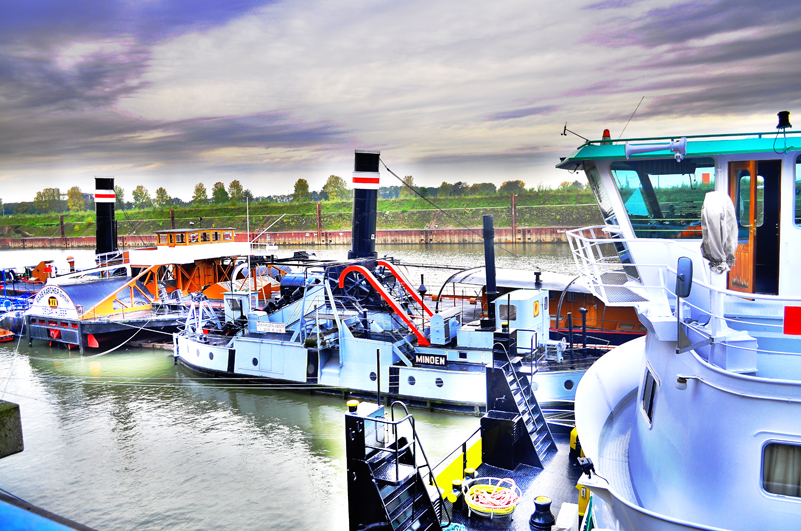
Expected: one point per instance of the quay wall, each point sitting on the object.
(325, 237)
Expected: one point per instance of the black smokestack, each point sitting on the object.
(105, 198)
(489, 266)
(365, 204)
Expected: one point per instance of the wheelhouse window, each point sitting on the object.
(163, 239)
(508, 312)
(663, 197)
(204, 236)
(649, 394)
(781, 469)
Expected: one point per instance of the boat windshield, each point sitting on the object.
(663, 197)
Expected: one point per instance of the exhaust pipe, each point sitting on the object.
(365, 204)
(106, 225)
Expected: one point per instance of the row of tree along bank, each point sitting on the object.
(550, 208)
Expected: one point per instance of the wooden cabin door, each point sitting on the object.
(742, 190)
(755, 191)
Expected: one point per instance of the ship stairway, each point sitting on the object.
(404, 350)
(517, 396)
(386, 489)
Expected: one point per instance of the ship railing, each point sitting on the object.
(710, 310)
(412, 446)
(605, 261)
(449, 465)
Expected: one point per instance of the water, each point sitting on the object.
(130, 441)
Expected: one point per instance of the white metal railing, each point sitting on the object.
(713, 306)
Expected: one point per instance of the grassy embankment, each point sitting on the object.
(549, 208)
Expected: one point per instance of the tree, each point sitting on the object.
(200, 197)
(481, 189)
(236, 192)
(405, 190)
(301, 193)
(512, 187)
(75, 199)
(218, 194)
(141, 197)
(163, 199)
(459, 189)
(119, 203)
(47, 200)
(567, 185)
(247, 196)
(444, 189)
(335, 189)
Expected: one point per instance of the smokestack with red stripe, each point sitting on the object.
(365, 204)
(106, 226)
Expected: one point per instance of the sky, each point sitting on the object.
(170, 94)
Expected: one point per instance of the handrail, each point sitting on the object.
(405, 283)
(517, 380)
(421, 338)
(462, 447)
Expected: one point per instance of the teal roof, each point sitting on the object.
(697, 146)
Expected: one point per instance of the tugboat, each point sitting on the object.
(360, 324)
(695, 426)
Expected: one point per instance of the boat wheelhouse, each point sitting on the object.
(696, 425)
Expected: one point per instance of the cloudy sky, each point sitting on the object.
(170, 94)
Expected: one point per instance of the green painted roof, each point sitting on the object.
(697, 146)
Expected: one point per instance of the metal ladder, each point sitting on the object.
(525, 403)
(386, 479)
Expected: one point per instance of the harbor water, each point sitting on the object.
(128, 440)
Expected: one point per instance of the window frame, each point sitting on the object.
(649, 413)
(783, 442)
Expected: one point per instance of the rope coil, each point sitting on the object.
(486, 496)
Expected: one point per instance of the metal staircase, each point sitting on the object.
(509, 390)
(384, 480)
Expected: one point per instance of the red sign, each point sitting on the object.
(792, 320)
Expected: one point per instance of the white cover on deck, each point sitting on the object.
(719, 227)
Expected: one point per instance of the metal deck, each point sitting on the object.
(557, 481)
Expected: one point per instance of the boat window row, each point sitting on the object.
(195, 237)
(664, 197)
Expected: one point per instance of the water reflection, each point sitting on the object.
(129, 440)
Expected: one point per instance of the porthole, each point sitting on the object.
(211, 355)
(197, 352)
(310, 369)
(569, 384)
(439, 382)
(373, 377)
(255, 361)
(412, 381)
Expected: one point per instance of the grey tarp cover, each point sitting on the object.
(719, 227)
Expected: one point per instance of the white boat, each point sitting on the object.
(696, 425)
(360, 327)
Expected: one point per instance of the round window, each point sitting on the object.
(569, 384)
(439, 382)
(211, 355)
(373, 377)
(197, 352)
(310, 368)
(412, 381)
(255, 361)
